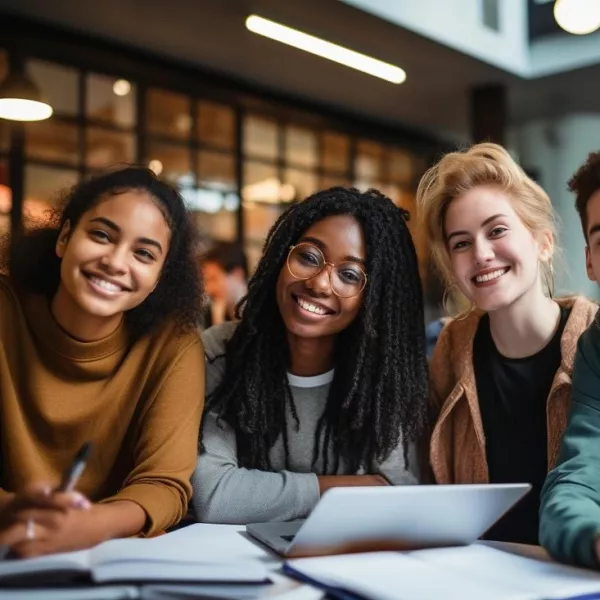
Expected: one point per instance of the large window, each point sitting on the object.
(225, 157)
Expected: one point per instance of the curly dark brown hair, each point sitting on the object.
(379, 393)
(584, 184)
(35, 267)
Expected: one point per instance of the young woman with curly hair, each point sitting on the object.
(98, 344)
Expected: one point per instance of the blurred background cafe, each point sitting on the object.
(236, 103)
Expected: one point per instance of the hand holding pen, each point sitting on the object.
(32, 515)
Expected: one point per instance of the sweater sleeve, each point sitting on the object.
(166, 445)
(570, 500)
(226, 493)
(395, 469)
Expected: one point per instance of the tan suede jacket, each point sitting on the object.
(457, 444)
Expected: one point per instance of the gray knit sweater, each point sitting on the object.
(226, 493)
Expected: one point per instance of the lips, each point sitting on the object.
(312, 307)
(489, 276)
(105, 284)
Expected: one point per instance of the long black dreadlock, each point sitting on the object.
(379, 392)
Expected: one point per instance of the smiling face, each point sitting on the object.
(494, 257)
(111, 262)
(309, 308)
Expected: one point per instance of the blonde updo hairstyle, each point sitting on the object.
(455, 174)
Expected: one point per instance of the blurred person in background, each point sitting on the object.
(501, 371)
(224, 273)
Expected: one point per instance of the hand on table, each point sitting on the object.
(42, 521)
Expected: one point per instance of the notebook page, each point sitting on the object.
(199, 543)
(76, 562)
(392, 575)
(544, 579)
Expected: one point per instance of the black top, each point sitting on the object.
(512, 398)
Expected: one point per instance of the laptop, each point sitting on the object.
(361, 519)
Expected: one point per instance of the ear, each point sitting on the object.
(589, 267)
(63, 238)
(546, 244)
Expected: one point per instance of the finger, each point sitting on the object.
(48, 518)
(22, 531)
(62, 501)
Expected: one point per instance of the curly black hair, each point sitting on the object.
(584, 184)
(35, 267)
(379, 393)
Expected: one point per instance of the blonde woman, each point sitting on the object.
(501, 371)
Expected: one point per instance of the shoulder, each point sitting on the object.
(169, 344)
(457, 335)
(582, 311)
(215, 339)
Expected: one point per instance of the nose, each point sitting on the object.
(320, 284)
(115, 259)
(484, 251)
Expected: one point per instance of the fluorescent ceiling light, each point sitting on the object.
(315, 45)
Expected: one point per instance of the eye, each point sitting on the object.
(498, 231)
(460, 245)
(145, 255)
(309, 258)
(350, 275)
(99, 235)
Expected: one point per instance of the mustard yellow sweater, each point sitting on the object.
(139, 403)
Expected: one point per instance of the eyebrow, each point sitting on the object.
(111, 225)
(323, 247)
(483, 224)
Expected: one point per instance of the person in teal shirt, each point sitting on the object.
(570, 501)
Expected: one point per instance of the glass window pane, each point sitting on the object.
(110, 100)
(171, 162)
(216, 171)
(106, 148)
(260, 137)
(400, 167)
(368, 165)
(301, 147)
(169, 114)
(52, 141)
(336, 152)
(216, 124)
(304, 183)
(261, 183)
(58, 85)
(44, 187)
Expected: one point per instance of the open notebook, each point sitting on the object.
(198, 553)
(475, 572)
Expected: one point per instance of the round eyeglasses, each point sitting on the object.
(306, 261)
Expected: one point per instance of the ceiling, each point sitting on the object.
(211, 34)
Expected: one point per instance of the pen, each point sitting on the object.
(74, 472)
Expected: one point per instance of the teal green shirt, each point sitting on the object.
(570, 501)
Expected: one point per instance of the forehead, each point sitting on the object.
(475, 206)
(134, 212)
(593, 210)
(342, 234)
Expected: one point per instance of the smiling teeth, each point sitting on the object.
(105, 285)
(490, 276)
(311, 307)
